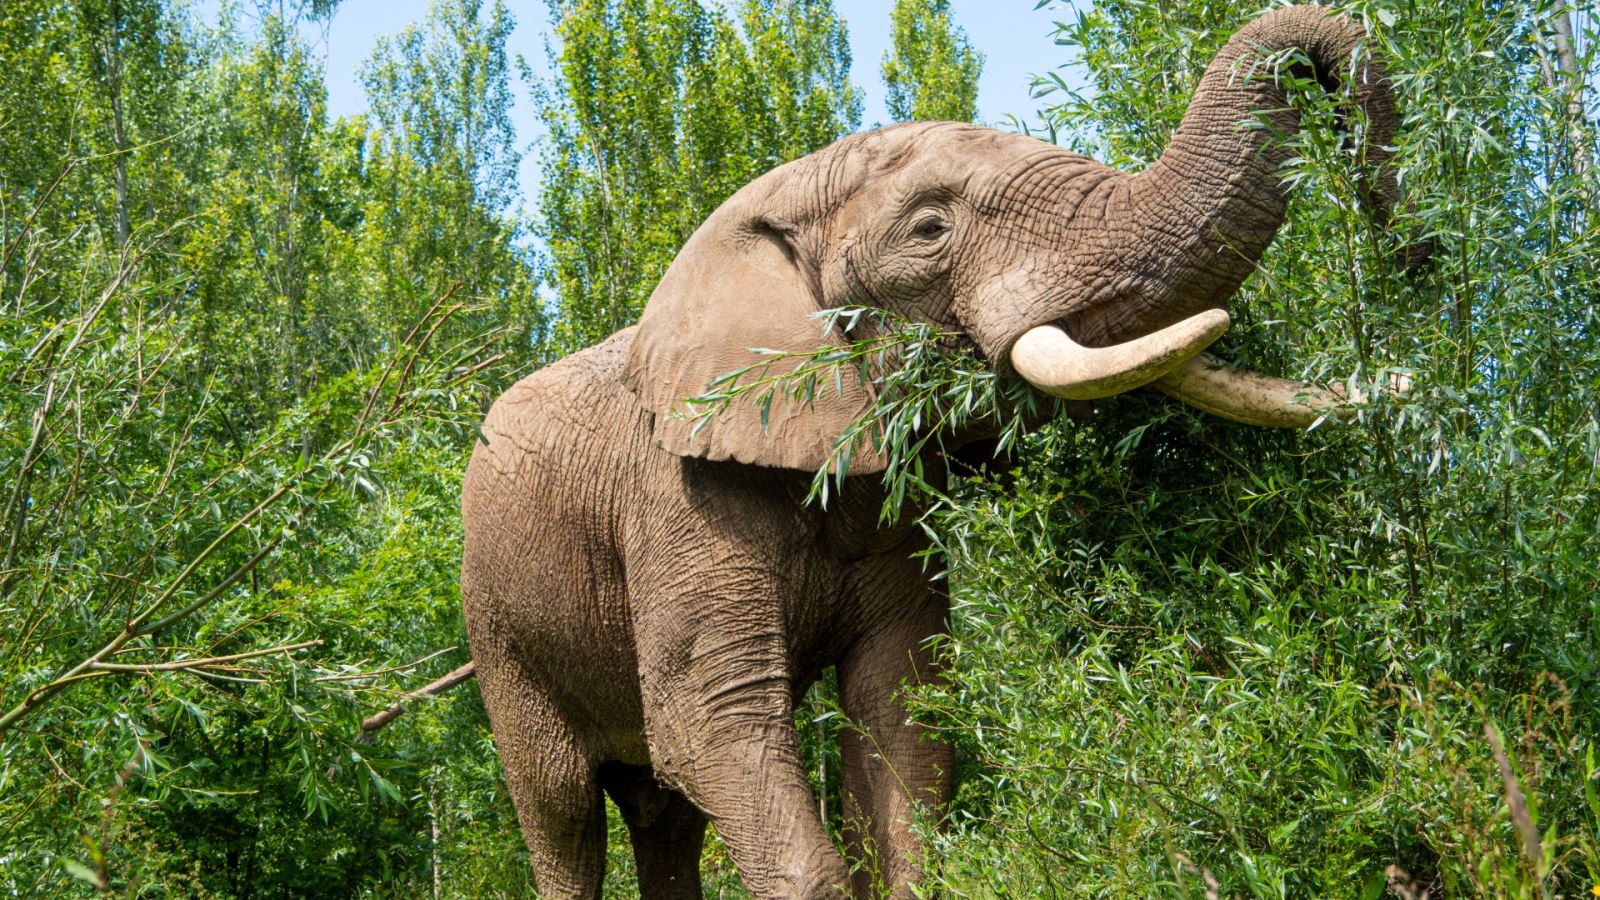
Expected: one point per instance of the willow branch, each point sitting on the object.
(403, 667)
(11, 248)
(175, 665)
(211, 595)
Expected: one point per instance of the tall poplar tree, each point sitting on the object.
(657, 112)
(92, 108)
(442, 177)
(930, 71)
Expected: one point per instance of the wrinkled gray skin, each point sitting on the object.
(645, 606)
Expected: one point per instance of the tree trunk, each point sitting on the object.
(1570, 82)
(433, 838)
(119, 137)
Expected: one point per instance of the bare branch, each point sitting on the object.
(398, 708)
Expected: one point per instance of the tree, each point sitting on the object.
(442, 176)
(91, 105)
(797, 78)
(930, 71)
(225, 491)
(277, 112)
(660, 110)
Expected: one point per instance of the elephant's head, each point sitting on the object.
(1083, 280)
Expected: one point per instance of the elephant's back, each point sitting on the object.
(541, 574)
(553, 447)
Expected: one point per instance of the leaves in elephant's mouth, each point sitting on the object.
(927, 385)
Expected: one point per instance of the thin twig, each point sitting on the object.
(357, 676)
(174, 665)
(12, 247)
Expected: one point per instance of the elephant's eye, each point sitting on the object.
(930, 228)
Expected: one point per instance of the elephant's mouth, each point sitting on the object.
(1171, 360)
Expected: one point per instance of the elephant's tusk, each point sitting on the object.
(1053, 362)
(1207, 383)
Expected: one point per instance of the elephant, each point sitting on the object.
(647, 595)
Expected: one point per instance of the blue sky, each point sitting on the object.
(1014, 37)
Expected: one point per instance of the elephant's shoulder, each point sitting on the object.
(577, 395)
(585, 376)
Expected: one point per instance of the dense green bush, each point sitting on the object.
(1190, 653)
(242, 352)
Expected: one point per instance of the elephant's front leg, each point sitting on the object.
(889, 764)
(720, 721)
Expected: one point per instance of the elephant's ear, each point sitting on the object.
(741, 284)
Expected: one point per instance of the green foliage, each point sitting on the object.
(659, 111)
(1189, 653)
(931, 71)
(443, 174)
(232, 434)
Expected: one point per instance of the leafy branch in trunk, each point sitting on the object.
(930, 392)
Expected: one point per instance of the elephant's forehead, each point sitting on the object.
(960, 151)
(960, 156)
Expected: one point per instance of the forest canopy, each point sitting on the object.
(245, 346)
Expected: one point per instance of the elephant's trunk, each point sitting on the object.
(1186, 232)
(1207, 209)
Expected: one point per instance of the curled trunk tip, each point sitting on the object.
(1206, 210)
